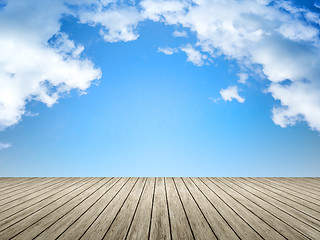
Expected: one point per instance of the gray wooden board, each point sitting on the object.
(239, 225)
(294, 186)
(160, 222)
(291, 191)
(140, 225)
(159, 208)
(17, 214)
(291, 201)
(302, 184)
(277, 209)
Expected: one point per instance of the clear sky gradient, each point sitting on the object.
(153, 114)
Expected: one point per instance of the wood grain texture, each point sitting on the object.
(160, 223)
(159, 208)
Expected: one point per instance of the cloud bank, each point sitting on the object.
(275, 36)
(274, 39)
(37, 61)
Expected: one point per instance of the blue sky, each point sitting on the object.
(156, 88)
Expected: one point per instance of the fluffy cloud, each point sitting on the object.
(4, 145)
(179, 34)
(243, 77)
(167, 51)
(37, 61)
(118, 22)
(275, 36)
(231, 93)
(163, 10)
(194, 55)
(299, 101)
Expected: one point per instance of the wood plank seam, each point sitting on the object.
(44, 206)
(249, 209)
(27, 199)
(200, 209)
(289, 206)
(54, 210)
(74, 206)
(145, 182)
(40, 201)
(216, 209)
(120, 208)
(286, 198)
(166, 191)
(183, 208)
(104, 208)
(154, 189)
(232, 209)
(159, 208)
(293, 194)
(91, 205)
(276, 216)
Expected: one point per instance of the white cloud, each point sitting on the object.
(163, 10)
(31, 66)
(179, 34)
(118, 23)
(300, 101)
(243, 77)
(231, 93)
(4, 145)
(167, 51)
(280, 38)
(194, 55)
(215, 100)
(317, 4)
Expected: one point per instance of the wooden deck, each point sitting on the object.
(159, 208)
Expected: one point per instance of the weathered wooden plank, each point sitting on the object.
(61, 224)
(121, 224)
(32, 219)
(290, 191)
(273, 207)
(294, 187)
(291, 201)
(180, 226)
(21, 200)
(159, 208)
(315, 182)
(78, 228)
(284, 206)
(280, 226)
(160, 224)
(261, 227)
(17, 208)
(24, 187)
(13, 182)
(302, 184)
(198, 222)
(14, 215)
(218, 224)
(242, 229)
(10, 181)
(45, 222)
(141, 222)
(299, 197)
(98, 229)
